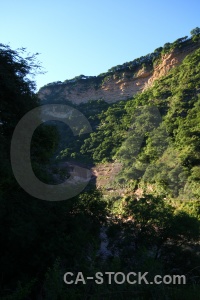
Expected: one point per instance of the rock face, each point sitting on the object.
(111, 89)
(113, 86)
(167, 62)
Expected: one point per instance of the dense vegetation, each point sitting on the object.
(156, 134)
(34, 234)
(155, 137)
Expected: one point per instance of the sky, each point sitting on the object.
(87, 36)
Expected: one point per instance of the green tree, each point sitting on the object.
(34, 233)
(195, 31)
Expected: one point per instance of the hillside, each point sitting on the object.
(120, 82)
(155, 136)
(165, 86)
(141, 209)
(144, 157)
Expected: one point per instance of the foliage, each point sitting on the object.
(195, 31)
(155, 136)
(35, 232)
(155, 230)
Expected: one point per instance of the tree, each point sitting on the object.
(16, 89)
(195, 31)
(166, 46)
(34, 233)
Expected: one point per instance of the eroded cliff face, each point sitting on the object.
(168, 61)
(114, 87)
(111, 89)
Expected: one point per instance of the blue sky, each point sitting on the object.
(89, 37)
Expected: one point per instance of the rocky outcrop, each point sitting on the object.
(167, 62)
(111, 89)
(121, 84)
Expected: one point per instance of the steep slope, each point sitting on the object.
(120, 82)
(144, 146)
(157, 136)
